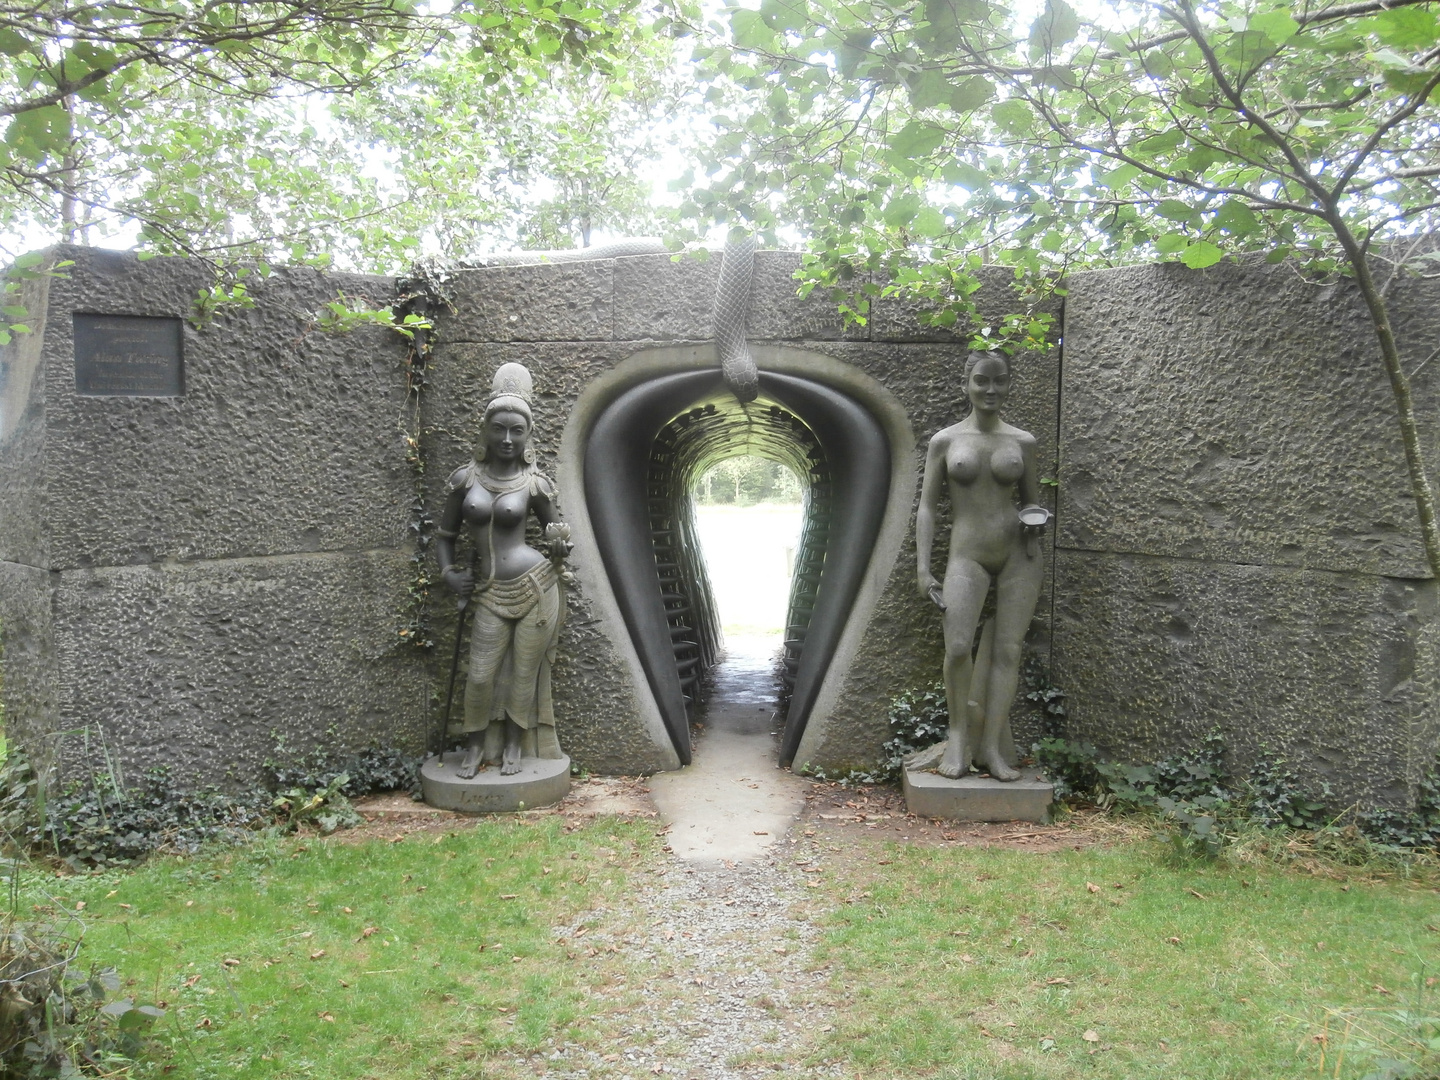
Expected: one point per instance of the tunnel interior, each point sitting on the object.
(643, 455)
(683, 451)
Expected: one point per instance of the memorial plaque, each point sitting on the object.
(128, 356)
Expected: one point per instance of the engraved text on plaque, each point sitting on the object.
(128, 356)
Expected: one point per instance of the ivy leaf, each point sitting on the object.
(1236, 218)
(969, 94)
(1057, 25)
(1201, 254)
(917, 138)
(1013, 116)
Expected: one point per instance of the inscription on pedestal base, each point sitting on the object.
(538, 783)
(976, 798)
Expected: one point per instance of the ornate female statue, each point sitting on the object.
(519, 606)
(981, 462)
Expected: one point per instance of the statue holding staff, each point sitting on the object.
(515, 590)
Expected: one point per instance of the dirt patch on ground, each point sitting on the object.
(879, 812)
(830, 809)
(394, 815)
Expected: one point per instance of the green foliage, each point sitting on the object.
(1418, 828)
(347, 313)
(943, 137)
(324, 807)
(746, 481)
(374, 768)
(56, 1021)
(110, 823)
(340, 132)
(917, 719)
(1193, 791)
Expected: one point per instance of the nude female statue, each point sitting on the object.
(980, 462)
(519, 601)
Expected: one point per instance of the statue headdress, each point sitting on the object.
(511, 391)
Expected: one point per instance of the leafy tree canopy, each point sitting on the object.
(355, 131)
(911, 140)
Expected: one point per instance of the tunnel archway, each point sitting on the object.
(642, 456)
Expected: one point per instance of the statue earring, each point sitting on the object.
(529, 455)
(481, 452)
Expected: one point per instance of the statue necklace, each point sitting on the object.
(497, 487)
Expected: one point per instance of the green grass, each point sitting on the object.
(435, 957)
(994, 964)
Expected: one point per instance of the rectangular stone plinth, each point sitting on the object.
(977, 798)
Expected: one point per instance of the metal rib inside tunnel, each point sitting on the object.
(642, 457)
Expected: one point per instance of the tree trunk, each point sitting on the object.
(1420, 485)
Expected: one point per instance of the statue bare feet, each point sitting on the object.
(996, 765)
(510, 759)
(955, 762)
(471, 764)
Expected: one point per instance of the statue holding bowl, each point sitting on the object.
(987, 470)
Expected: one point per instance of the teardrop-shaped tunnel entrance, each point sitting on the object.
(644, 454)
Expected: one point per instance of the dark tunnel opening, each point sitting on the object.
(643, 455)
(683, 451)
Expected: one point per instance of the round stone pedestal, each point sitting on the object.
(539, 782)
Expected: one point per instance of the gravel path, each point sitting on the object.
(721, 936)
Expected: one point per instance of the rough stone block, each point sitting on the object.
(284, 441)
(1238, 414)
(204, 667)
(24, 537)
(778, 314)
(976, 798)
(27, 653)
(660, 299)
(545, 302)
(1334, 672)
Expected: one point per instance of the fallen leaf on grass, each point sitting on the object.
(1059, 980)
(1172, 941)
(611, 1057)
(509, 896)
(317, 954)
(231, 963)
(367, 932)
(1198, 896)
(1090, 886)
(329, 1018)
(1091, 1036)
(966, 958)
(1379, 989)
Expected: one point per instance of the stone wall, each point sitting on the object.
(609, 322)
(1238, 546)
(195, 579)
(218, 578)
